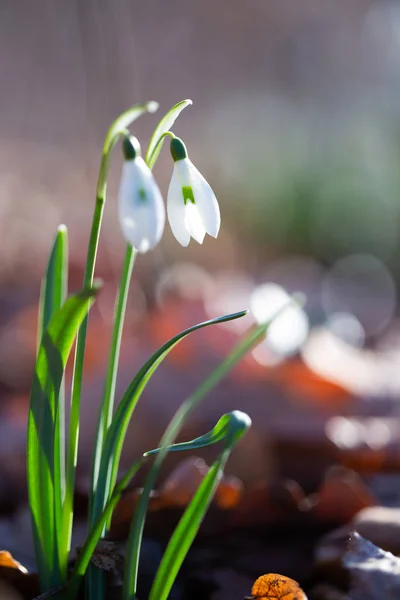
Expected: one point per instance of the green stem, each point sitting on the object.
(82, 561)
(107, 405)
(95, 578)
(106, 410)
(73, 438)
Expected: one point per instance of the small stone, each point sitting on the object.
(381, 526)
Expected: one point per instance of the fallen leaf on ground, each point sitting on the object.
(15, 581)
(276, 587)
(7, 561)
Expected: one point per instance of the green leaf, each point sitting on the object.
(189, 524)
(117, 430)
(53, 293)
(83, 559)
(164, 125)
(228, 429)
(135, 537)
(54, 284)
(222, 430)
(53, 353)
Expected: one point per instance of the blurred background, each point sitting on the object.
(296, 125)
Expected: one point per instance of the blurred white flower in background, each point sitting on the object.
(288, 330)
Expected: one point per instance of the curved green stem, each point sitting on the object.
(72, 454)
(117, 129)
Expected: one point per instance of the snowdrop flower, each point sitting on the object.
(192, 206)
(140, 204)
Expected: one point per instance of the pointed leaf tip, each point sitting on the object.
(166, 123)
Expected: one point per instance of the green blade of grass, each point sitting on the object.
(53, 294)
(217, 434)
(222, 430)
(117, 430)
(96, 530)
(189, 524)
(54, 284)
(164, 125)
(53, 353)
(137, 526)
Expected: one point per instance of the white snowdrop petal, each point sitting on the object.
(175, 209)
(182, 169)
(140, 206)
(194, 223)
(208, 207)
(206, 201)
(191, 219)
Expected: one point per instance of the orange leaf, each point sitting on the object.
(277, 587)
(7, 560)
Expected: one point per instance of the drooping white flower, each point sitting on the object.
(140, 205)
(192, 206)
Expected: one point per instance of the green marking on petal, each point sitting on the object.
(188, 195)
(142, 193)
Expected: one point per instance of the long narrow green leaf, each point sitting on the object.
(164, 125)
(53, 353)
(136, 532)
(223, 431)
(217, 434)
(54, 284)
(95, 533)
(55, 280)
(190, 522)
(115, 131)
(117, 430)
(53, 294)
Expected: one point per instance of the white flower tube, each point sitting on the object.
(140, 205)
(192, 206)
